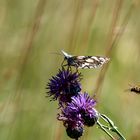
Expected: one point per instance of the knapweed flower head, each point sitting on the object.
(85, 106)
(72, 122)
(79, 112)
(64, 85)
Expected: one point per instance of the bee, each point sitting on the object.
(84, 62)
(135, 89)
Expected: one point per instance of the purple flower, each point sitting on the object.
(64, 85)
(79, 112)
(85, 107)
(73, 123)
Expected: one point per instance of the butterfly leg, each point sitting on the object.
(69, 68)
(76, 69)
(62, 64)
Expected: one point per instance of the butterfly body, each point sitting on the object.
(84, 62)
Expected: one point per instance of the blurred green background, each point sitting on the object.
(31, 32)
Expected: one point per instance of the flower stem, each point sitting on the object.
(112, 127)
(101, 127)
(119, 133)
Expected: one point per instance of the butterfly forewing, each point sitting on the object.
(85, 61)
(93, 61)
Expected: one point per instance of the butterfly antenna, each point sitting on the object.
(55, 53)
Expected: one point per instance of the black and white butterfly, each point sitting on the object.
(84, 62)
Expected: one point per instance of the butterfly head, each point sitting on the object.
(66, 55)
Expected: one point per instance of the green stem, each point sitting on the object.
(106, 119)
(112, 127)
(101, 127)
(119, 133)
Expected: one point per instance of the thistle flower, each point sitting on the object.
(64, 85)
(85, 107)
(79, 112)
(72, 121)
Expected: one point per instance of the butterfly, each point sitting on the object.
(135, 89)
(84, 62)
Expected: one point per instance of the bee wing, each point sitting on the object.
(127, 90)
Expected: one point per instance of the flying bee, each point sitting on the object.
(84, 62)
(134, 89)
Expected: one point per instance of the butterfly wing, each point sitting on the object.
(87, 61)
